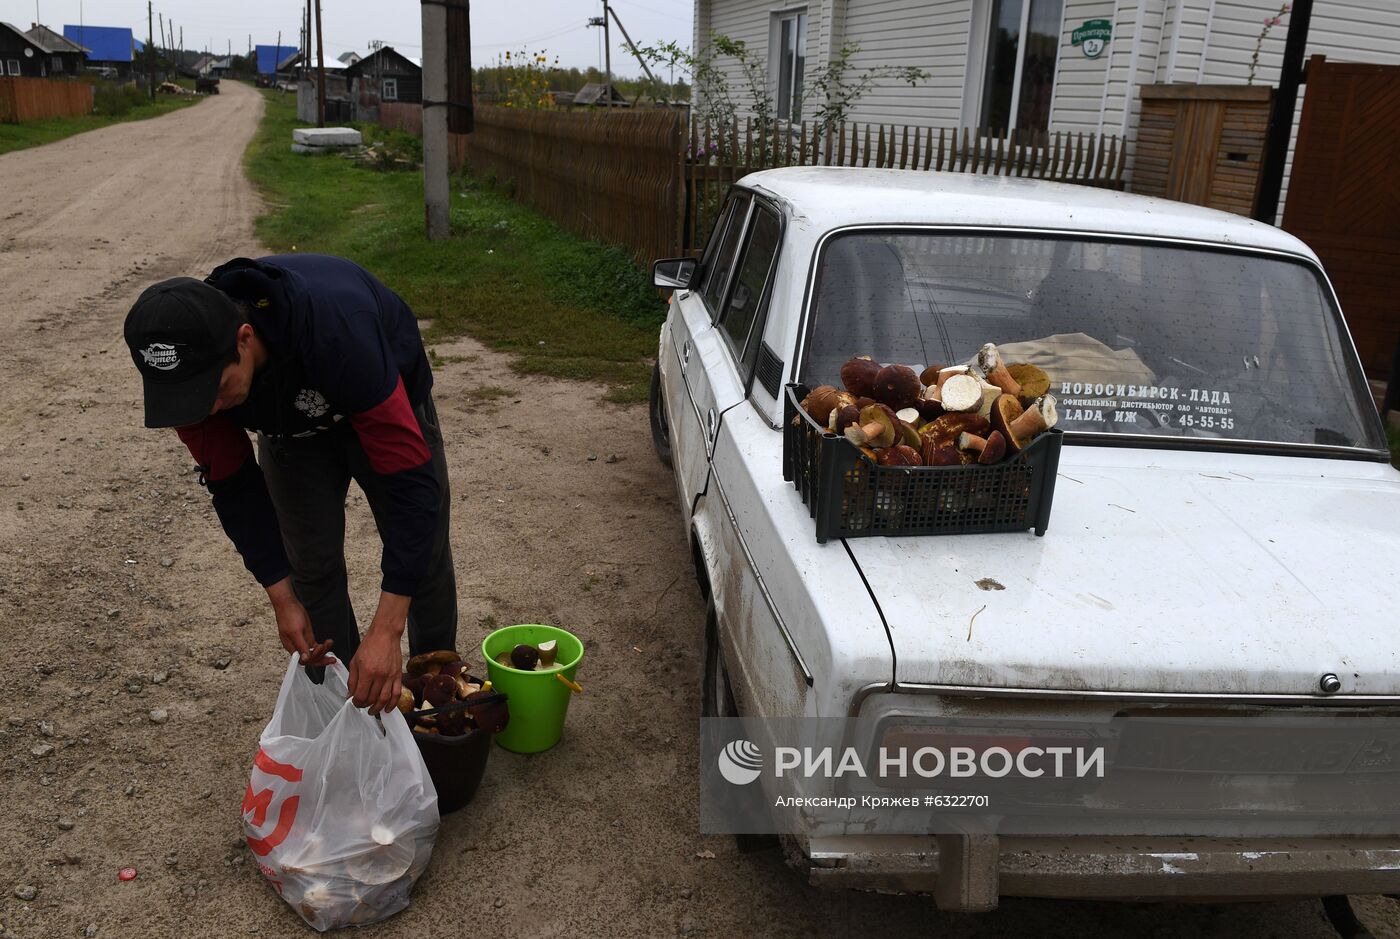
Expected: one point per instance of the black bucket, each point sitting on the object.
(456, 765)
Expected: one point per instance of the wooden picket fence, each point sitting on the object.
(33, 99)
(653, 181)
(720, 155)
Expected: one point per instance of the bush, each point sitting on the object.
(116, 100)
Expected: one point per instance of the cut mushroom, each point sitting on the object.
(858, 375)
(1038, 418)
(908, 415)
(1005, 410)
(549, 651)
(897, 386)
(961, 393)
(878, 428)
(940, 438)
(989, 361)
(950, 372)
(988, 449)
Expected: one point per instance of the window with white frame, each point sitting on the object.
(1018, 76)
(13, 66)
(390, 90)
(789, 60)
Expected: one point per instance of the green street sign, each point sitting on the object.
(1092, 37)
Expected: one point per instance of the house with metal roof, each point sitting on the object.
(21, 56)
(270, 58)
(65, 57)
(112, 47)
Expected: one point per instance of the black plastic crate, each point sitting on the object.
(852, 496)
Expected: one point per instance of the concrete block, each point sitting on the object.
(327, 136)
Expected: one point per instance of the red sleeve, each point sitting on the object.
(390, 434)
(219, 446)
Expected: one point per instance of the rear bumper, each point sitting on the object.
(969, 873)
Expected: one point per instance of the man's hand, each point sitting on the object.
(376, 672)
(294, 626)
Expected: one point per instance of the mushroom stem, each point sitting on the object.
(968, 441)
(989, 361)
(1040, 416)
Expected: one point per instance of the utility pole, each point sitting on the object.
(320, 71)
(446, 102)
(276, 51)
(435, 168)
(607, 55)
(150, 52)
(633, 46)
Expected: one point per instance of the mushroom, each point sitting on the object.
(908, 435)
(843, 417)
(430, 663)
(440, 690)
(1033, 380)
(946, 373)
(549, 651)
(897, 386)
(989, 361)
(988, 449)
(490, 713)
(961, 393)
(1036, 419)
(863, 402)
(415, 684)
(930, 407)
(820, 402)
(407, 701)
(858, 375)
(1022, 426)
(899, 455)
(940, 438)
(878, 427)
(908, 415)
(929, 376)
(1005, 409)
(524, 657)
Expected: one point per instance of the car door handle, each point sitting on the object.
(685, 353)
(711, 424)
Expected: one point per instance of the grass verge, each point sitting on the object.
(36, 133)
(567, 307)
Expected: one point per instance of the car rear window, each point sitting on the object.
(1137, 337)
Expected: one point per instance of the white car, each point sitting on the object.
(1225, 528)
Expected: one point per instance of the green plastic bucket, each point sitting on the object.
(538, 700)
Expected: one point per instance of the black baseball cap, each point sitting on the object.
(181, 333)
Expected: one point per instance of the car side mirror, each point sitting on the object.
(674, 273)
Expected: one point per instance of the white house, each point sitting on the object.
(1054, 65)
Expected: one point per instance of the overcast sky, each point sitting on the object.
(555, 26)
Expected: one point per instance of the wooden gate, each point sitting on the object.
(1344, 196)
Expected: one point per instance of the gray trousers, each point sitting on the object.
(308, 478)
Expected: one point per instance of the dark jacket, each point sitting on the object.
(343, 349)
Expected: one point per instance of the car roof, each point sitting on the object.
(827, 197)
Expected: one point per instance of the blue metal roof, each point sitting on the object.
(269, 56)
(106, 43)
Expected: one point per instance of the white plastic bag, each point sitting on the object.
(340, 811)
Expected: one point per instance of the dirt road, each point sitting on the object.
(119, 595)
